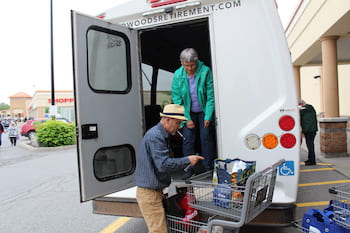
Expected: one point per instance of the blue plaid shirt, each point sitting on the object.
(154, 163)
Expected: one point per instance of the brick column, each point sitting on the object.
(333, 139)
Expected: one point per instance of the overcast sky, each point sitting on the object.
(25, 42)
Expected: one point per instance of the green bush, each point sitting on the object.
(55, 133)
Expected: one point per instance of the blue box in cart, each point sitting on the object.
(222, 195)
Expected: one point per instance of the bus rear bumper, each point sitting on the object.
(278, 215)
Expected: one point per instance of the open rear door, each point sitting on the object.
(108, 105)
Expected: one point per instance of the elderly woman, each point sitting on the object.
(192, 87)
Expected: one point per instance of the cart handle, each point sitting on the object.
(278, 163)
(332, 190)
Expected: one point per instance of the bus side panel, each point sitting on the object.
(254, 88)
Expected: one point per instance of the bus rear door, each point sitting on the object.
(108, 105)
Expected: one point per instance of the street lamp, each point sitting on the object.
(53, 108)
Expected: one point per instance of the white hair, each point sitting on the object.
(188, 55)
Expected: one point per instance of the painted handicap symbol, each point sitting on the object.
(287, 169)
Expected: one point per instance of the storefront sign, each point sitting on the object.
(62, 100)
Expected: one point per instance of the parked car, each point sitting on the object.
(6, 123)
(28, 129)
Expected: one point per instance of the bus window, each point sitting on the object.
(163, 90)
(164, 87)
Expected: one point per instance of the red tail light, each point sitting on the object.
(288, 140)
(286, 123)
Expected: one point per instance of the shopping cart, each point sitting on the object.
(341, 205)
(231, 205)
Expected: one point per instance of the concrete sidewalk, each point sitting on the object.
(340, 162)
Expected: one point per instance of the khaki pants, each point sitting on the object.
(150, 202)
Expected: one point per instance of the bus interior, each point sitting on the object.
(160, 52)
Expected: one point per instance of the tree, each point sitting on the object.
(4, 106)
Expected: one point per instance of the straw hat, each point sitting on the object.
(174, 111)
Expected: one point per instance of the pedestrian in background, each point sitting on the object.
(2, 128)
(308, 120)
(12, 133)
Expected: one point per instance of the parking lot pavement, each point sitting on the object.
(340, 162)
(23, 151)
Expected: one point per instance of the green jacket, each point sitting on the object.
(205, 90)
(308, 119)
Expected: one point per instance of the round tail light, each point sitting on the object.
(286, 123)
(288, 140)
(270, 141)
(252, 141)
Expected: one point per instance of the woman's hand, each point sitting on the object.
(190, 124)
(206, 124)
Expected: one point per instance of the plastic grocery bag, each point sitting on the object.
(171, 204)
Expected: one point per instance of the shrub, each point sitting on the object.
(55, 133)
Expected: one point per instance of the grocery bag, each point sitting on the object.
(233, 171)
(171, 204)
(317, 221)
(340, 214)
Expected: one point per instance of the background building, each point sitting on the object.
(39, 105)
(318, 36)
(18, 105)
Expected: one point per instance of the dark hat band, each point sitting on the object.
(173, 114)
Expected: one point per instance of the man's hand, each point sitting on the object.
(190, 124)
(194, 159)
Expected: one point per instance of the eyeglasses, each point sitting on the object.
(189, 64)
(177, 121)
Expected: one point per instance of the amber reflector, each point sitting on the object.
(270, 141)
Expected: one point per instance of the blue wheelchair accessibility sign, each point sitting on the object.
(287, 169)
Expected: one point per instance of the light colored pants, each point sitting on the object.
(150, 202)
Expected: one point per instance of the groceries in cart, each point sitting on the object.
(218, 210)
(231, 175)
(179, 205)
(191, 227)
(222, 195)
(233, 171)
(182, 217)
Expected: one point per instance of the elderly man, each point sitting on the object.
(154, 165)
(309, 128)
(192, 87)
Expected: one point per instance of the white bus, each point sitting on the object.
(123, 65)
